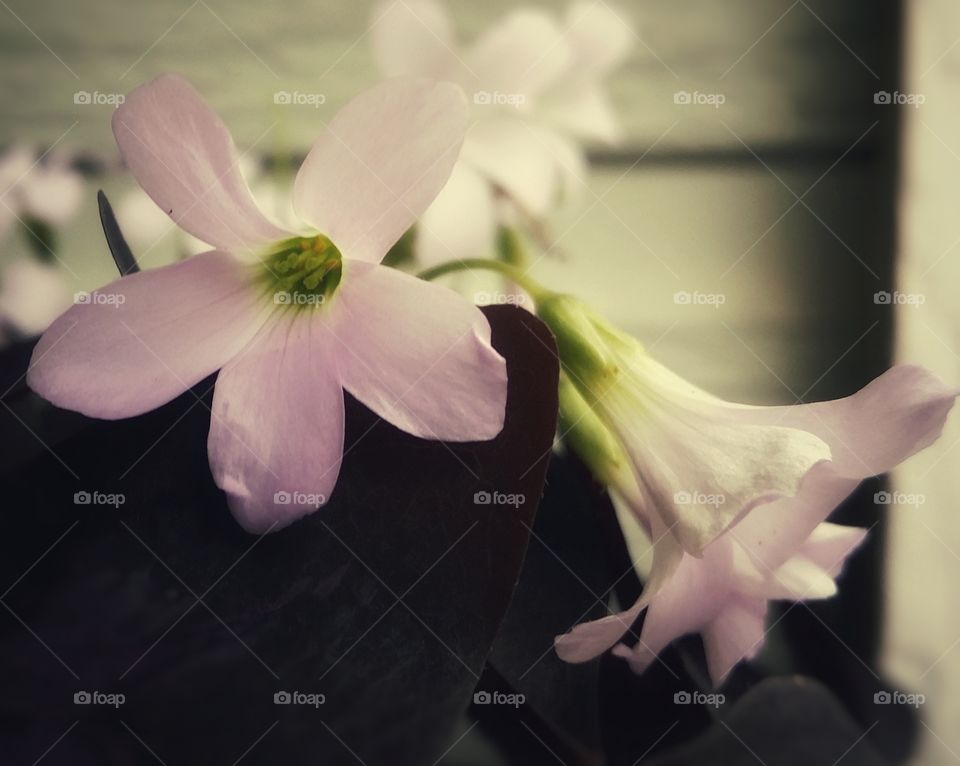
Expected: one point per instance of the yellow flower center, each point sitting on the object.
(303, 272)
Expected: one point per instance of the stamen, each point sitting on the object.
(303, 272)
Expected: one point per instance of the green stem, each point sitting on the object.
(511, 272)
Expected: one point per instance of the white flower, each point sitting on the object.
(32, 295)
(48, 190)
(536, 88)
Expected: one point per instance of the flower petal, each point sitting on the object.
(16, 163)
(799, 579)
(701, 471)
(413, 37)
(276, 434)
(182, 155)
(600, 38)
(584, 110)
(522, 54)
(589, 639)
(891, 418)
(460, 223)
(694, 596)
(772, 533)
(146, 338)
(735, 634)
(517, 157)
(830, 545)
(418, 355)
(380, 163)
(810, 569)
(571, 165)
(52, 193)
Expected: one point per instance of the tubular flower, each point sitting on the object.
(291, 319)
(733, 496)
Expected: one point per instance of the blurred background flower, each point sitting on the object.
(39, 193)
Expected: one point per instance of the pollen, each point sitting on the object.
(302, 272)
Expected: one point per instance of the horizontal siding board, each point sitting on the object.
(809, 78)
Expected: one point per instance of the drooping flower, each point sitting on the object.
(734, 497)
(537, 92)
(290, 318)
(698, 462)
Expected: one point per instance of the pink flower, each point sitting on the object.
(290, 318)
(779, 548)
